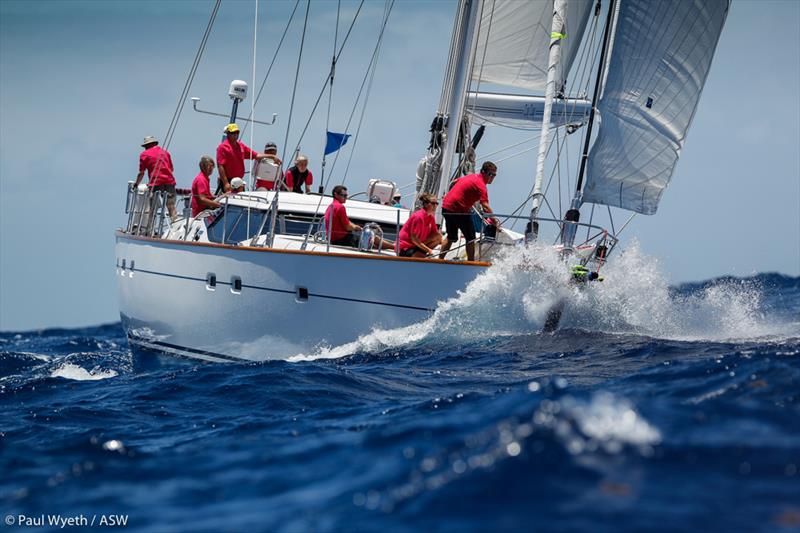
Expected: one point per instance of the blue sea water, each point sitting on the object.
(672, 408)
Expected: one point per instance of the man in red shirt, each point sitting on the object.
(457, 207)
(201, 188)
(158, 164)
(231, 154)
(420, 234)
(337, 224)
(298, 175)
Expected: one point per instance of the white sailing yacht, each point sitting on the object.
(259, 279)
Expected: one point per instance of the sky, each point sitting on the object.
(81, 83)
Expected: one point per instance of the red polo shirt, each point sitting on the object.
(421, 224)
(232, 156)
(200, 186)
(467, 190)
(340, 221)
(158, 164)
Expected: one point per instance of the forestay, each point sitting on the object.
(660, 59)
(518, 42)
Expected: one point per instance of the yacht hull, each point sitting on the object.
(227, 303)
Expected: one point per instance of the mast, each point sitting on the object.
(557, 33)
(450, 114)
(574, 214)
(461, 76)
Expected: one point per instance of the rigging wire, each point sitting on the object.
(252, 100)
(373, 66)
(272, 63)
(327, 77)
(296, 76)
(330, 93)
(176, 115)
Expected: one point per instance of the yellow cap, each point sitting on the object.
(231, 128)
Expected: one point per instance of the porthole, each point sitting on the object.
(236, 284)
(211, 281)
(301, 294)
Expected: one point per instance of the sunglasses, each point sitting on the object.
(432, 203)
(342, 194)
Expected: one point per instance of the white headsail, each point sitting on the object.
(517, 48)
(660, 59)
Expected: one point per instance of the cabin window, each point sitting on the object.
(237, 224)
(211, 281)
(236, 284)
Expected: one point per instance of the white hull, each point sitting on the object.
(166, 303)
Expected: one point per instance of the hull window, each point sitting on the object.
(211, 282)
(236, 284)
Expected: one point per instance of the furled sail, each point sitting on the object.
(518, 111)
(659, 62)
(514, 41)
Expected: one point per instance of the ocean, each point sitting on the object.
(652, 408)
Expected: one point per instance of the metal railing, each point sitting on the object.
(147, 216)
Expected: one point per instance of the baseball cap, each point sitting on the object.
(231, 128)
(270, 146)
(236, 183)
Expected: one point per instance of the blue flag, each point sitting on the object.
(335, 141)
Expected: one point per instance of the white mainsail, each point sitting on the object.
(514, 41)
(660, 59)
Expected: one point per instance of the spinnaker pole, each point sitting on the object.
(557, 33)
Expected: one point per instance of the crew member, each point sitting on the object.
(271, 153)
(201, 188)
(237, 185)
(298, 175)
(231, 154)
(338, 226)
(457, 205)
(158, 164)
(420, 234)
(397, 199)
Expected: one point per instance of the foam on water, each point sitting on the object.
(515, 296)
(78, 373)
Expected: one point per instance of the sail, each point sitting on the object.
(514, 41)
(659, 62)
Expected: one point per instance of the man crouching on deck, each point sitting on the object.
(339, 227)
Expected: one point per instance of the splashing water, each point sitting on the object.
(516, 294)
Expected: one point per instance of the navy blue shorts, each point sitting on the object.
(454, 222)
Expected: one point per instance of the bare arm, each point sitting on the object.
(419, 244)
(487, 209)
(139, 178)
(207, 201)
(223, 176)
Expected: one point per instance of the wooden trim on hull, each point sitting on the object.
(121, 234)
